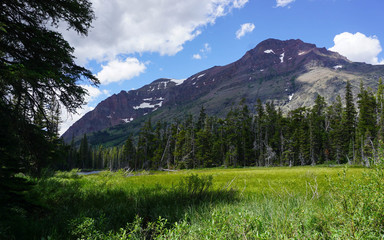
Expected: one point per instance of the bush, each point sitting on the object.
(195, 185)
(359, 208)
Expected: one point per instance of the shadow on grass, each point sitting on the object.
(70, 207)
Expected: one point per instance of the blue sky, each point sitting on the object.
(134, 42)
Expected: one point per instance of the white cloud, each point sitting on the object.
(93, 93)
(107, 92)
(203, 52)
(68, 119)
(206, 48)
(245, 28)
(196, 56)
(239, 3)
(283, 3)
(116, 70)
(137, 26)
(358, 47)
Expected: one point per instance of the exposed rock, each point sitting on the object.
(289, 73)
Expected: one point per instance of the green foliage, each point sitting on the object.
(267, 203)
(37, 72)
(195, 185)
(259, 136)
(359, 205)
(275, 204)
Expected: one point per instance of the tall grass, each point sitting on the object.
(242, 203)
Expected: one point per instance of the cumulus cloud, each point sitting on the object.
(126, 27)
(283, 3)
(358, 47)
(244, 28)
(196, 56)
(117, 70)
(93, 92)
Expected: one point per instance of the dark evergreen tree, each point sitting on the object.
(317, 134)
(201, 120)
(349, 123)
(366, 127)
(380, 110)
(258, 142)
(204, 146)
(335, 129)
(146, 146)
(37, 68)
(129, 154)
(246, 150)
(84, 153)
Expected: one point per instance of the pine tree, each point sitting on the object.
(204, 146)
(84, 153)
(317, 131)
(129, 153)
(366, 127)
(201, 120)
(299, 127)
(258, 143)
(380, 110)
(246, 133)
(146, 147)
(349, 123)
(271, 134)
(336, 135)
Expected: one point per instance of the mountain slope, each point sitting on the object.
(290, 73)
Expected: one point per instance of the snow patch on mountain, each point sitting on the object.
(127, 120)
(202, 75)
(338, 66)
(178, 82)
(301, 53)
(269, 51)
(144, 105)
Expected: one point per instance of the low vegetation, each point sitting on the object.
(39, 76)
(246, 203)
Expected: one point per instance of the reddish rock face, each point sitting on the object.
(267, 72)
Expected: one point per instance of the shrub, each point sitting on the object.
(195, 185)
(359, 205)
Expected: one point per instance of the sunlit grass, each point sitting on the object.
(243, 203)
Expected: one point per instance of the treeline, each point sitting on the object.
(339, 133)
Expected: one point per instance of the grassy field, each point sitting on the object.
(241, 203)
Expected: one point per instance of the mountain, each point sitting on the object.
(290, 73)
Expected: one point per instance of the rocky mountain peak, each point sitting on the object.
(289, 73)
(274, 56)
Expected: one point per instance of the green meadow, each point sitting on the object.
(240, 203)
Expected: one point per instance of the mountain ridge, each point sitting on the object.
(290, 73)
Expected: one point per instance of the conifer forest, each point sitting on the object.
(338, 133)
